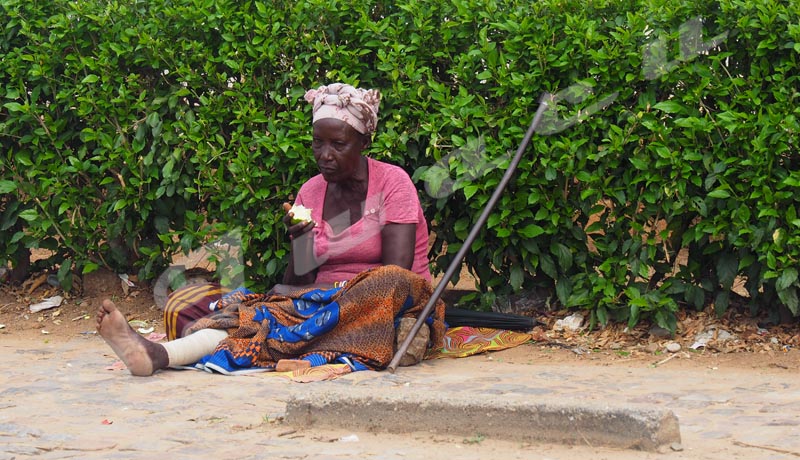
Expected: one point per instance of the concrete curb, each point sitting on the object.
(514, 420)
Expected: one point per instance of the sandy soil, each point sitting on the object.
(751, 351)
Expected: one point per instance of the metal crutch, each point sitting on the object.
(456, 263)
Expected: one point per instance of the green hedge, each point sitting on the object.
(133, 131)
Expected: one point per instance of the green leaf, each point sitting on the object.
(563, 254)
(727, 268)
(7, 186)
(669, 106)
(639, 163)
(634, 316)
(30, 215)
(667, 320)
(65, 274)
(517, 276)
(470, 190)
(119, 204)
(548, 266)
(719, 193)
(167, 171)
(563, 290)
(696, 296)
(14, 107)
(89, 267)
(153, 119)
(531, 231)
(721, 302)
(17, 236)
(272, 267)
(63, 207)
(789, 298)
(91, 78)
(602, 315)
(787, 278)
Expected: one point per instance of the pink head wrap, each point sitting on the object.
(354, 106)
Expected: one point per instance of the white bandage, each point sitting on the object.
(189, 349)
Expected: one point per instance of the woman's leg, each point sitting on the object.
(189, 349)
(143, 357)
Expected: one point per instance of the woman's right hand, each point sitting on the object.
(296, 230)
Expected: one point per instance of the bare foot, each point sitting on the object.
(142, 356)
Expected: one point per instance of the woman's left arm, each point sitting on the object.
(398, 243)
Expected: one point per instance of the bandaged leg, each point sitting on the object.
(188, 350)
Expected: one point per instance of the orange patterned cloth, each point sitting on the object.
(353, 325)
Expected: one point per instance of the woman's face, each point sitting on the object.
(337, 148)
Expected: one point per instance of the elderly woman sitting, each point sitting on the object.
(358, 270)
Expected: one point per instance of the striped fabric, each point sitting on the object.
(188, 304)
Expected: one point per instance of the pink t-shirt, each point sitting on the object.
(391, 198)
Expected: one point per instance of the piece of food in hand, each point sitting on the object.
(300, 214)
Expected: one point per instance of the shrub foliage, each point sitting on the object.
(666, 167)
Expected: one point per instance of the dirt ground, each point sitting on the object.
(702, 339)
(734, 344)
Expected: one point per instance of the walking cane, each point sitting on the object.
(456, 263)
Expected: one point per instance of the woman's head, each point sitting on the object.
(344, 119)
(355, 106)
